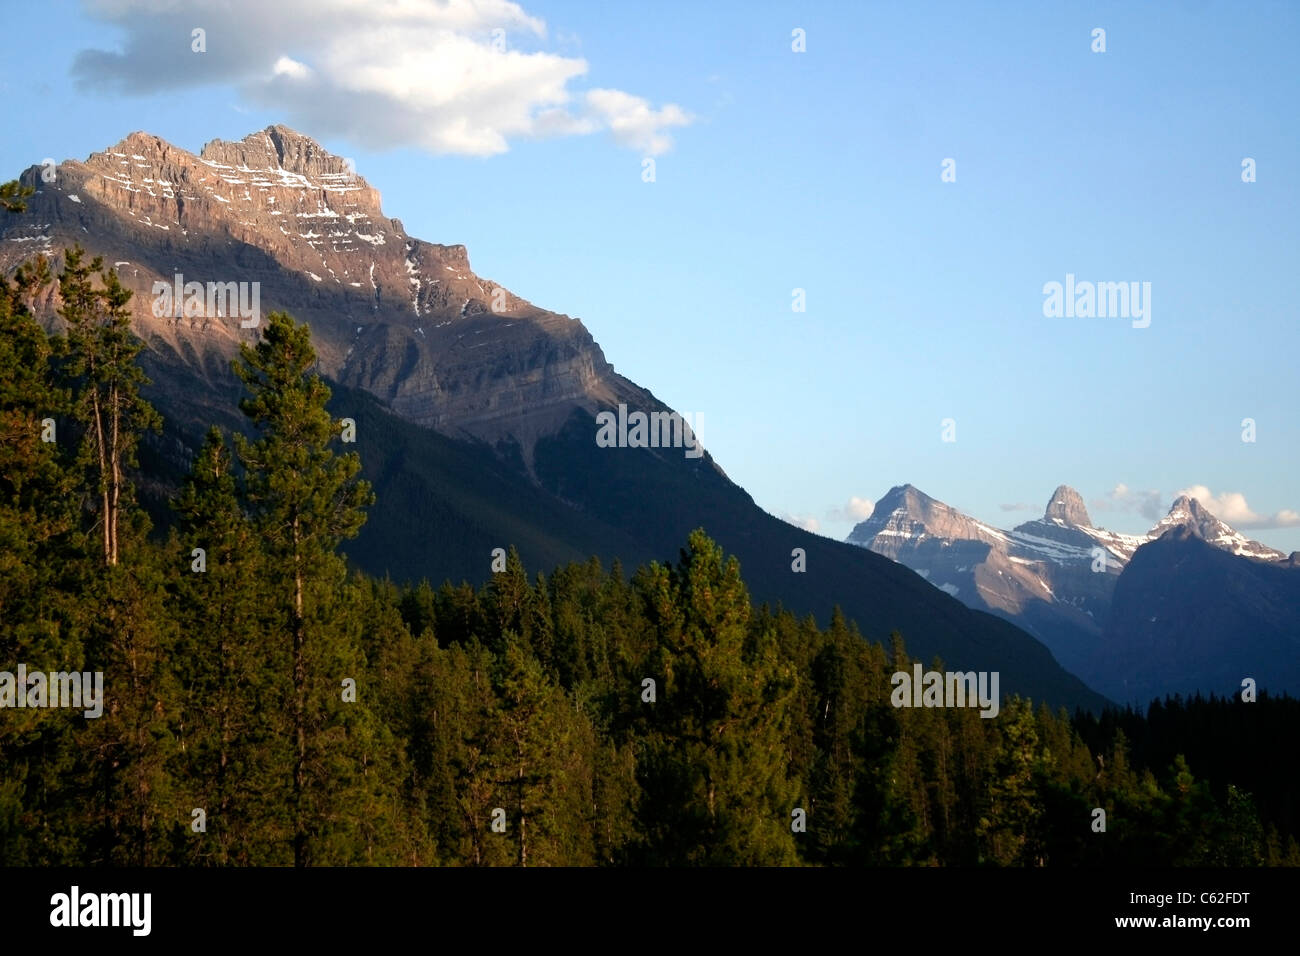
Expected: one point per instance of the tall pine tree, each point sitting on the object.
(304, 501)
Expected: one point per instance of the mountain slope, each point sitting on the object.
(477, 427)
(402, 318)
(443, 504)
(1189, 616)
(1039, 575)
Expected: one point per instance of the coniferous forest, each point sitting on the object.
(266, 705)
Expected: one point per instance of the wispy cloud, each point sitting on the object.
(1149, 504)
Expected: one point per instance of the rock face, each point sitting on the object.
(1054, 576)
(405, 319)
(905, 516)
(1067, 508)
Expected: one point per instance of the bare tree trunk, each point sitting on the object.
(299, 712)
(115, 464)
(100, 454)
(223, 757)
(523, 817)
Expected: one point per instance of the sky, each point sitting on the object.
(921, 171)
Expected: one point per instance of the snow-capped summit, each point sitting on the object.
(1189, 513)
(1053, 576)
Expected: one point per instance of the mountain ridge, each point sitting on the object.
(1055, 576)
(476, 425)
(402, 318)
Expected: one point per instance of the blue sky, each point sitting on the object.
(820, 170)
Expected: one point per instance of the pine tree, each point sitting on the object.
(102, 353)
(1009, 824)
(304, 501)
(132, 811)
(1242, 841)
(714, 768)
(128, 814)
(232, 675)
(39, 579)
(37, 522)
(12, 195)
(544, 763)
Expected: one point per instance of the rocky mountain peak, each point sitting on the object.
(405, 319)
(1187, 512)
(282, 148)
(905, 512)
(1068, 508)
(902, 497)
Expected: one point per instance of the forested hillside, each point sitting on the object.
(266, 705)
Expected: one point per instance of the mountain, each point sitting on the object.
(1189, 513)
(1189, 615)
(475, 410)
(1054, 576)
(404, 319)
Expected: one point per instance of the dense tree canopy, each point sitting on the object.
(265, 705)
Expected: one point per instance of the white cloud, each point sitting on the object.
(1122, 498)
(808, 523)
(633, 122)
(285, 66)
(1231, 506)
(857, 509)
(386, 73)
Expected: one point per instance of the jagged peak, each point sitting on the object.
(1066, 506)
(139, 142)
(1188, 512)
(1188, 509)
(143, 137)
(278, 146)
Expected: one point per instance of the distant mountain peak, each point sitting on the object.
(905, 513)
(1067, 507)
(1054, 575)
(1187, 512)
(908, 497)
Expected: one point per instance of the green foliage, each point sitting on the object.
(106, 380)
(713, 767)
(511, 724)
(12, 195)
